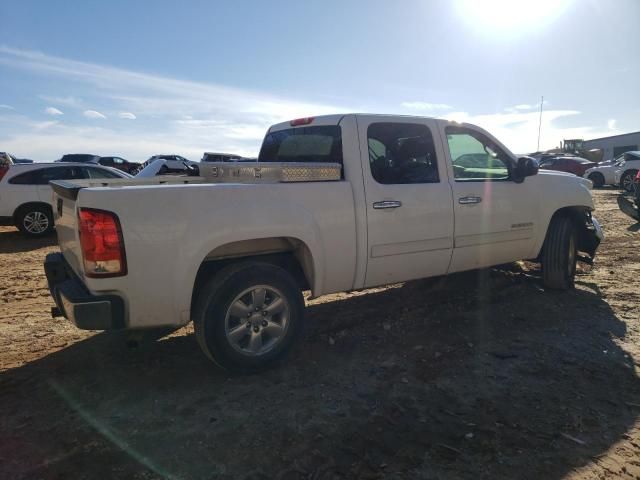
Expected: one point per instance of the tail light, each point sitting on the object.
(101, 243)
(3, 171)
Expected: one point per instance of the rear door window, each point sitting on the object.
(44, 176)
(317, 144)
(402, 153)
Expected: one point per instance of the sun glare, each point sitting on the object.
(499, 16)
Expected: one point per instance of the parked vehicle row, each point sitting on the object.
(26, 197)
(571, 164)
(619, 171)
(370, 200)
(627, 171)
(115, 162)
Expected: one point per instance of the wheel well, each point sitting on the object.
(288, 253)
(28, 205)
(581, 218)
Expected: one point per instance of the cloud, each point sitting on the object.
(127, 115)
(426, 106)
(611, 124)
(188, 118)
(93, 114)
(224, 118)
(67, 101)
(52, 111)
(524, 106)
(6, 107)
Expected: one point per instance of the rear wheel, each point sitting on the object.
(597, 178)
(626, 182)
(559, 254)
(248, 316)
(34, 221)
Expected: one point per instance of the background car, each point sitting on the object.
(627, 171)
(636, 187)
(605, 172)
(168, 167)
(121, 164)
(27, 197)
(172, 164)
(79, 158)
(220, 157)
(6, 161)
(575, 165)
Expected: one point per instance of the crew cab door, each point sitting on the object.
(408, 200)
(495, 217)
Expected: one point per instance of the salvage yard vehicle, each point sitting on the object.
(627, 170)
(605, 172)
(334, 203)
(79, 158)
(575, 165)
(636, 188)
(220, 157)
(121, 164)
(25, 194)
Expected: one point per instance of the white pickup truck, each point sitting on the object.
(356, 201)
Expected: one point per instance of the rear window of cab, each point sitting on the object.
(317, 144)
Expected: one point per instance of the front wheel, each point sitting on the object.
(248, 316)
(597, 179)
(559, 254)
(626, 182)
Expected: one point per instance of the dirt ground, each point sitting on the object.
(482, 375)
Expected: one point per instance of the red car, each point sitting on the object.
(575, 165)
(636, 187)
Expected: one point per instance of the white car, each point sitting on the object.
(335, 203)
(605, 172)
(26, 197)
(169, 164)
(627, 170)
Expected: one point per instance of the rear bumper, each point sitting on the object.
(76, 303)
(6, 222)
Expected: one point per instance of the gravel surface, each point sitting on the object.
(480, 375)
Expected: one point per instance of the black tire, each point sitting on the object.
(626, 181)
(213, 313)
(597, 178)
(559, 254)
(34, 220)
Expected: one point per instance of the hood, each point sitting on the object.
(566, 177)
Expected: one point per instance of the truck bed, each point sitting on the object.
(172, 225)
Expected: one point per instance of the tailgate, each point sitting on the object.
(66, 221)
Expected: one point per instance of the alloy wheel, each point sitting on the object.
(257, 320)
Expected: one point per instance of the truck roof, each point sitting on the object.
(335, 119)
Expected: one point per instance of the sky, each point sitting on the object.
(138, 78)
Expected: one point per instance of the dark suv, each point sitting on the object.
(121, 164)
(79, 158)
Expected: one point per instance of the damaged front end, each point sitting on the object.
(589, 236)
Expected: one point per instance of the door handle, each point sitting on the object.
(469, 200)
(387, 204)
